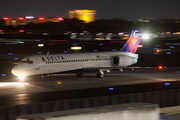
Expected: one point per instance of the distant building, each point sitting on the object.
(85, 15)
(28, 19)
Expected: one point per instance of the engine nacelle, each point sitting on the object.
(123, 61)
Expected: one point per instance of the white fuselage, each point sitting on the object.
(54, 63)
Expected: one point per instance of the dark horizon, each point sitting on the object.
(124, 9)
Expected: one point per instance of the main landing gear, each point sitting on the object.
(100, 75)
(80, 74)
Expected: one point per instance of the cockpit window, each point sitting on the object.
(27, 61)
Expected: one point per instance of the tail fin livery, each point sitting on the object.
(133, 42)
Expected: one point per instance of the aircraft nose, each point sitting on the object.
(17, 70)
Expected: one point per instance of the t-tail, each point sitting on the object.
(133, 42)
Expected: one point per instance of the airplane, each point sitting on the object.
(100, 61)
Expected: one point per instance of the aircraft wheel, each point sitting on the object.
(99, 75)
(80, 74)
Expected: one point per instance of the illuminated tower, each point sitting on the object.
(85, 15)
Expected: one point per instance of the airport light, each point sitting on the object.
(60, 18)
(5, 18)
(10, 53)
(160, 67)
(59, 83)
(21, 18)
(166, 84)
(157, 50)
(3, 74)
(140, 46)
(29, 17)
(41, 18)
(111, 88)
(40, 45)
(145, 36)
(16, 58)
(21, 31)
(75, 48)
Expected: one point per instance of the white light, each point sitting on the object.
(29, 17)
(13, 83)
(145, 36)
(21, 76)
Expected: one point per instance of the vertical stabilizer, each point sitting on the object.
(133, 42)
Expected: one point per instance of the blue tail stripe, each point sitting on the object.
(136, 45)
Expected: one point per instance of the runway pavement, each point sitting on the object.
(52, 87)
(69, 81)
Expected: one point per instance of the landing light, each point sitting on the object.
(21, 76)
(13, 83)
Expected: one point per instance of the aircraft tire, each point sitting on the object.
(80, 74)
(99, 75)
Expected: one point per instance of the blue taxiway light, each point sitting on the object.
(166, 84)
(114, 49)
(157, 45)
(171, 47)
(111, 88)
(10, 53)
(3, 74)
(168, 52)
(39, 52)
(16, 58)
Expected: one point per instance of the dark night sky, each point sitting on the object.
(107, 9)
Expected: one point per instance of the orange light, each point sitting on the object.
(41, 18)
(157, 50)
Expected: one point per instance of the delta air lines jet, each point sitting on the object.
(100, 61)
